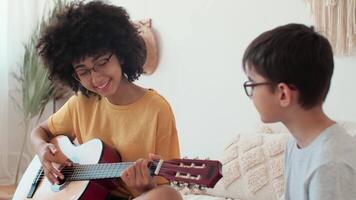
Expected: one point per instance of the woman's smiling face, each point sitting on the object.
(100, 74)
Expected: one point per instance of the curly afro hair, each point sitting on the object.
(88, 29)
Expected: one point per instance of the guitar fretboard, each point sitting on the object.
(94, 171)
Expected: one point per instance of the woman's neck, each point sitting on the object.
(127, 93)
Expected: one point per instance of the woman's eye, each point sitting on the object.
(82, 72)
(101, 62)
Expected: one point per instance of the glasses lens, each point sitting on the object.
(249, 90)
(75, 76)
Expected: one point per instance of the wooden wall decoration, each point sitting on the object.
(147, 33)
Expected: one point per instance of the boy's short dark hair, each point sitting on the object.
(89, 29)
(296, 55)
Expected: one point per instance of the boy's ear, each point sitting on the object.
(285, 95)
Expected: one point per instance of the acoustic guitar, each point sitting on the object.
(97, 167)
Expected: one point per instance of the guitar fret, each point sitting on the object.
(95, 171)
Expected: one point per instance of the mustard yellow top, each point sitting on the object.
(143, 127)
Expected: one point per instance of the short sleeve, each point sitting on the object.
(61, 123)
(167, 144)
(333, 181)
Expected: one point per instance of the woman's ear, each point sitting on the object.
(286, 96)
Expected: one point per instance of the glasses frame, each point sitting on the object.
(252, 85)
(94, 68)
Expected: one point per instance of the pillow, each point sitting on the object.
(252, 168)
(253, 163)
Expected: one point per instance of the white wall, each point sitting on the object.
(201, 46)
(202, 43)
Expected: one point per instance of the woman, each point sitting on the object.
(95, 49)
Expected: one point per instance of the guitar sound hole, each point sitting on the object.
(61, 181)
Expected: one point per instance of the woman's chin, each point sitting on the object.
(106, 90)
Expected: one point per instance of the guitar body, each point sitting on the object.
(96, 170)
(92, 152)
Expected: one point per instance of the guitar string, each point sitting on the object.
(105, 166)
(104, 169)
(97, 170)
(85, 172)
(101, 170)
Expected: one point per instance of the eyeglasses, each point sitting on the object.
(83, 74)
(249, 85)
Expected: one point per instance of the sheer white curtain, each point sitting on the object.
(17, 21)
(5, 176)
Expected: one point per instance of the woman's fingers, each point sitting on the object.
(145, 174)
(49, 156)
(56, 156)
(141, 173)
(152, 156)
(129, 176)
(52, 148)
(52, 173)
(138, 176)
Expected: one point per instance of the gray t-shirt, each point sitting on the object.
(324, 170)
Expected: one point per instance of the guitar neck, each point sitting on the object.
(94, 171)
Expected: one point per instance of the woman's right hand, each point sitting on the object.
(49, 155)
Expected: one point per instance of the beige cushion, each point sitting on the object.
(252, 167)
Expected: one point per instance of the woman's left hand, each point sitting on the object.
(138, 176)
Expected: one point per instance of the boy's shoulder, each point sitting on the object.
(336, 138)
(335, 145)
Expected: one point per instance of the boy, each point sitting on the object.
(289, 71)
(95, 49)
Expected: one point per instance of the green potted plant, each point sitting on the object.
(34, 86)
